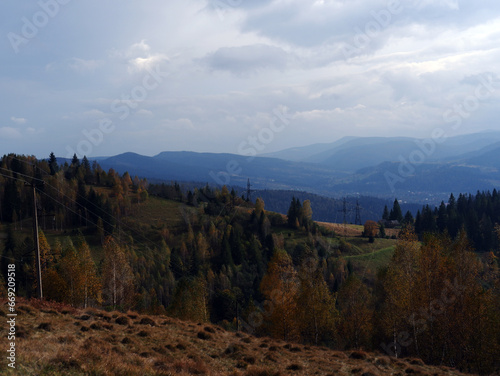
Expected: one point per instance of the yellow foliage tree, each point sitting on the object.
(317, 315)
(356, 312)
(280, 285)
(91, 286)
(117, 277)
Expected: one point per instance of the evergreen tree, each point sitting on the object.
(396, 213)
(54, 168)
(385, 215)
(408, 219)
(295, 214)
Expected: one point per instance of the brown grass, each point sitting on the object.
(72, 344)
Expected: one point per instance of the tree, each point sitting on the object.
(385, 215)
(356, 313)
(46, 259)
(280, 286)
(371, 229)
(399, 288)
(317, 316)
(54, 168)
(190, 300)
(396, 213)
(259, 207)
(117, 277)
(70, 272)
(295, 214)
(307, 213)
(382, 231)
(91, 285)
(408, 219)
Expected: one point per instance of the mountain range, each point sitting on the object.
(417, 170)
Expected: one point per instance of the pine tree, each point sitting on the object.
(54, 168)
(385, 215)
(396, 213)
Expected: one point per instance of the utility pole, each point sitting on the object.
(36, 240)
(344, 211)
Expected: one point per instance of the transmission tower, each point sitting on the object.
(357, 221)
(249, 190)
(344, 212)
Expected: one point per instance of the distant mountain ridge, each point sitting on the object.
(414, 170)
(354, 153)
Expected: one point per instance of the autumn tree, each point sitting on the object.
(356, 313)
(259, 207)
(117, 277)
(280, 286)
(371, 229)
(46, 259)
(399, 287)
(91, 285)
(190, 300)
(69, 269)
(317, 315)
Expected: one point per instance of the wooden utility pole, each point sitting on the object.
(36, 241)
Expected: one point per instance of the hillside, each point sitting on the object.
(54, 339)
(206, 254)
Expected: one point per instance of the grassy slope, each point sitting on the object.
(57, 340)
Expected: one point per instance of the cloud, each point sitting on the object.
(139, 48)
(228, 73)
(10, 133)
(139, 57)
(248, 58)
(82, 66)
(18, 120)
(179, 124)
(140, 64)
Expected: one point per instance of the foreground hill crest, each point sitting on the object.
(55, 339)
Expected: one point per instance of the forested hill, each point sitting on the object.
(327, 209)
(114, 241)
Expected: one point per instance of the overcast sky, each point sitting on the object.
(106, 77)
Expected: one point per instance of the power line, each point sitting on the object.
(150, 243)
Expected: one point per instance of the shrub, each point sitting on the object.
(122, 320)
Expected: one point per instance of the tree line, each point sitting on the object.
(477, 215)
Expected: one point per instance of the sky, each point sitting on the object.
(105, 77)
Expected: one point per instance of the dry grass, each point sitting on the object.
(352, 230)
(93, 342)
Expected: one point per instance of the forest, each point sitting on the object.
(211, 255)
